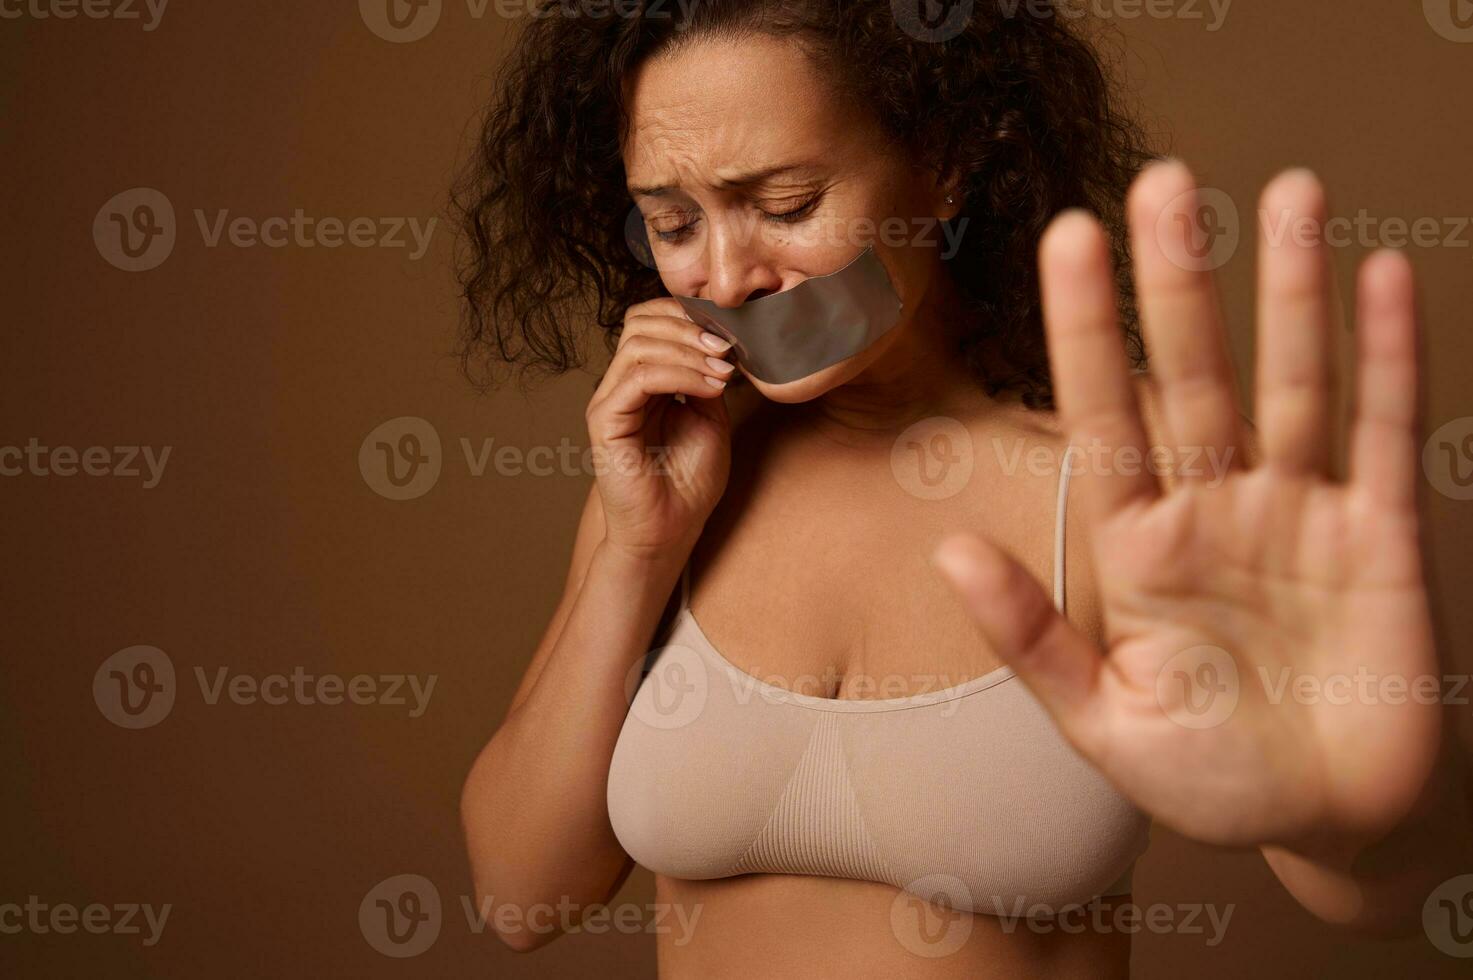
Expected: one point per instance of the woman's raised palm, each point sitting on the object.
(1269, 672)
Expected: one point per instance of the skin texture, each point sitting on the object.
(694, 132)
(815, 455)
(1280, 569)
(784, 499)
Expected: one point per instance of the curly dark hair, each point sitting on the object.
(1020, 104)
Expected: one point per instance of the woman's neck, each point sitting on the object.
(921, 375)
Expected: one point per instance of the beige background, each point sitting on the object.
(263, 549)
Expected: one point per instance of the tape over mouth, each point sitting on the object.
(787, 336)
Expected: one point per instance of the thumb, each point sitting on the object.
(1057, 662)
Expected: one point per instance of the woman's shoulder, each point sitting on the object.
(1045, 424)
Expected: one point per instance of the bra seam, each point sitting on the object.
(774, 693)
(888, 868)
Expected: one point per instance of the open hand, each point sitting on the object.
(1238, 611)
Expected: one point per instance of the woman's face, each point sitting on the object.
(752, 177)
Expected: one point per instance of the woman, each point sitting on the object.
(836, 761)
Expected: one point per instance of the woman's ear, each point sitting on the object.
(952, 202)
(950, 192)
(949, 196)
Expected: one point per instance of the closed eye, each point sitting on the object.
(666, 232)
(673, 234)
(795, 214)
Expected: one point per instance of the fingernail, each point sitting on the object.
(714, 342)
(715, 382)
(717, 364)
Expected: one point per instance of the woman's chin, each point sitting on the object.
(814, 385)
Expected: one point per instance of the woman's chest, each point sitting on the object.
(820, 579)
(714, 777)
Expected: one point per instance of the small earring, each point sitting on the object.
(950, 199)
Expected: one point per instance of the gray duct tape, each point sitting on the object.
(823, 320)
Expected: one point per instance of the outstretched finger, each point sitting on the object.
(1057, 662)
(1092, 384)
(1383, 437)
(1182, 317)
(1294, 315)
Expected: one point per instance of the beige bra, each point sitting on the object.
(969, 791)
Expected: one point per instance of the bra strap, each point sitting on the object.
(1059, 521)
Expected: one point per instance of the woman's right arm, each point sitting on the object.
(534, 806)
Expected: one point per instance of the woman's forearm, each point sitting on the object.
(534, 805)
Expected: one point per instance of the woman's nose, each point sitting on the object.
(739, 273)
(731, 287)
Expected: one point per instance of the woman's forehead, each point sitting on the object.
(728, 109)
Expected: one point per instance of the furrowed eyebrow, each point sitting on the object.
(746, 179)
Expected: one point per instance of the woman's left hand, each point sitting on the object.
(1269, 647)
